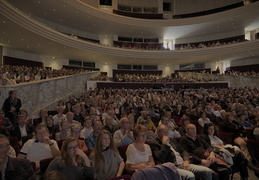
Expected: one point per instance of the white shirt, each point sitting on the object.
(36, 151)
(23, 131)
(134, 156)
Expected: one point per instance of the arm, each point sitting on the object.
(143, 164)
(121, 168)
(160, 151)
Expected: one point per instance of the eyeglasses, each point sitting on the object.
(72, 147)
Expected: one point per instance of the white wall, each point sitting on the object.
(56, 63)
(106, 68)
(106, 39)
(22, 55)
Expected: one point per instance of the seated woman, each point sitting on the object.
(203, 119)
(64, 132)
(139, 154)
(184, 123)
(53, 128)
(150, 136)
(139, 158)
(106, 158)
(73, 162)
(234, 156)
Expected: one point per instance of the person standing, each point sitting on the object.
(11, 106)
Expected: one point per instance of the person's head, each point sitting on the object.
(70, 116)
(108, 120)
(162, 130)
(124, 123)
(4, 146)
(88, 122)
(229, 116)
(191, 130)
(43, 113)
(13, 94)
(69, 149)
(185, 121)
(75, 130)
(209, 129)
(131, 120)
(41, 132)
(50, 120)
(64, 124)
(105, 140)
(165, 120)
(77, 108)
(60, 109)
(144, 123)
(22, 120)
(140, 133)
(97, 127)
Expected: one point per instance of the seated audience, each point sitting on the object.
(230, 154)
(123, 135)
(138, 153)
(59, 116)
(91, 139)
(172, 133)
(109, 125)
(64, 131)
(73, 162)
(40, 148)
(203, 120)
(150, 136)
(202, 153)
(70, 119)
(256, 129)
(43, 117)
(106, 158)
(165, 149)
(184, 123)
(243, 121)
(12, 168)
(87, 128)
(22, 130)
(77, 113)
(53, 128)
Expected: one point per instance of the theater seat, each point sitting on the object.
(15, 144)
(44, 163)
(122, 150)
(226, 137)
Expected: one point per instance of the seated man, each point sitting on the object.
(109, 125)
(91, 139)
(202, 153)
(165, 149)
(40, 148)
(22, 130)
(14, 168)
(124, 135)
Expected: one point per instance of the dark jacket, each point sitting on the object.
(19, 169)
(196, 148)
(17, 133)
(162, 152)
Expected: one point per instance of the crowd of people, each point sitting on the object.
(10, 75)
(206, 45)
(161, 130)
(154, 78)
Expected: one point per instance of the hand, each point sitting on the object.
(46, 140)
(80, 153)
(212, 158)
(205, 162)
(186, 165)
(165, 139)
